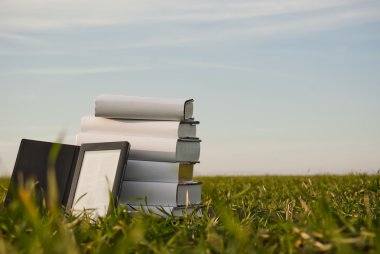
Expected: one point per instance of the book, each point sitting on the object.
(150, 148)
(153, 171)
(166, 211)
(133, 107)
(32, 164)
(163, 129)
(160, 194)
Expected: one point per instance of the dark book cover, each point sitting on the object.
(32, 164)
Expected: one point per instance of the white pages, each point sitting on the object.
(163, 129)
(133, 107)
(150, 148)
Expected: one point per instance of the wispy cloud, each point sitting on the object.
(260, 29)
(82, 71)
(208, 65)
(18, 15)
(214, 11)
(21, 39)
(311, 23)
(190, 22)
(159, 64)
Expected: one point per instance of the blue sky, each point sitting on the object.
(281, 87)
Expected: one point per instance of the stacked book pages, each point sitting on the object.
(164, 149)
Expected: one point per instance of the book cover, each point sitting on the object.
(134, 107)
(32, 164)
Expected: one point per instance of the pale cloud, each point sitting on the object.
(229, 20)
(159, 64)
(19, 15)
(328, 21)
(208, 65)
(259, 30)
(214, 11)
(21, 39)
(82, 71)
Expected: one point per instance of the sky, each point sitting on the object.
(280, 87)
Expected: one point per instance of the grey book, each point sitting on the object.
(150, 148)
(148, 108)
(160, 194)
(145, 128)
(154, 171)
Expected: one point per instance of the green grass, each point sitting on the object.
(319, 214)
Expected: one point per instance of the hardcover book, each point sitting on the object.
(145, 128)
(133, 107)
(160, 194)
(150, 148)
(155, 171)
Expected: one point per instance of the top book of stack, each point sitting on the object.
(143, 108)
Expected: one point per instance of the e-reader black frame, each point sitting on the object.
(123, 146)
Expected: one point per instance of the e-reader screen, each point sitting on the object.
(95, 181)
(98, 175)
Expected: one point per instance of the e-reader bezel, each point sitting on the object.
(123, 146)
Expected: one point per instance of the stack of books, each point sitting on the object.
(164, 149)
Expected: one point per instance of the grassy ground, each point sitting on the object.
(320, 214)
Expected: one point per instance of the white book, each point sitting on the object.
(165, 211)
(154, 171)
(133, 107)
(160, 194)
(150, 148)
(163, 129)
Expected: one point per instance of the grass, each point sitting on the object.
(269, 214)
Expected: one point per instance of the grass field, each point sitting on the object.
(318, 214)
